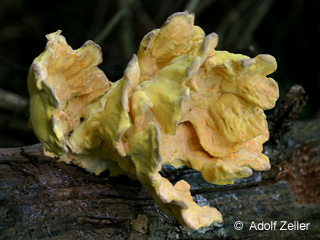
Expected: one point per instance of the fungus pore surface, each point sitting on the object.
(179, 103)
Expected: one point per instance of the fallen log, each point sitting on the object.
(41, 198)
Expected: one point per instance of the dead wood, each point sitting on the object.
(41, 198)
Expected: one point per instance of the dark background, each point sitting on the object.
(288, 30)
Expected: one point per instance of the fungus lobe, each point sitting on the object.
(179, 103)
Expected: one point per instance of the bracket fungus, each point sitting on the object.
(179, 103)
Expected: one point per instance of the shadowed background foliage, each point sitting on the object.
(288, 30)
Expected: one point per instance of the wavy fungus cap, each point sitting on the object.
(179, 103)
(61, 83)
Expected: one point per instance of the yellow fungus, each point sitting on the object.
(179, 103)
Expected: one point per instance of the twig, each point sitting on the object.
(12, 102)
(166, 8)
(232, 22)
(241, 22)
(192, 5)
(112, 23)
(260, 12)
(203, 5)
(127, 30)
(99, 12)
(143, 16)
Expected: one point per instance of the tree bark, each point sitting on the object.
(41, 198)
